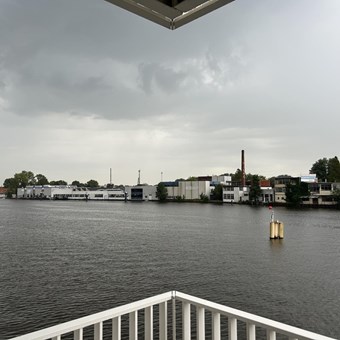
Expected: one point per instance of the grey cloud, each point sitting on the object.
(153, 76)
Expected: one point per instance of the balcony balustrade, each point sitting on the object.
(172, 315)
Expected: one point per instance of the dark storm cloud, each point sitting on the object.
(62, 58)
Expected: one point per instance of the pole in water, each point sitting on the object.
(272, 214)
(276, 228)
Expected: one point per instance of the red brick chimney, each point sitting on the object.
(243, 169)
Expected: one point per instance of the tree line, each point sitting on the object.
(25, 178)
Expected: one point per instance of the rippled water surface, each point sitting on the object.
(63, 260)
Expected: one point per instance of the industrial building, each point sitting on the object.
(70, 192)
(141, 192)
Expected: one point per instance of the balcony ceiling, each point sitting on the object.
(170, 13)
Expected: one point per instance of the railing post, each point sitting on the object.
(200, 323)
(232, 328)
(116, 328)
(216, 326)
(271, 335)
(98, 331)
(133, 326)
(78, 334)
(186, 321)
(251, 331)
(148, 323)
(163, 324)
(173, 316)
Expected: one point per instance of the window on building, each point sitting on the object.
(326, 186)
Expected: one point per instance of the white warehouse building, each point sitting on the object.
(70, 192)
(190, 190)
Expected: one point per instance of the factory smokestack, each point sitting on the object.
(243, 169)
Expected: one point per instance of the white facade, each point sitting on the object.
(235, 194)
(267, 195)
(45, 191)
(69, 192)
(173, 192)
(223, 179)
(193, 190)
(98, 194)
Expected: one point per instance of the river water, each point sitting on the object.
(62, 260)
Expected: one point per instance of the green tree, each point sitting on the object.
(255, 189)
(217, 193)
(295, 192)
(92, 184)
(320, 168)
(161, 192)
(25, 178)
(41, 179)
(327, 169)
(78, 184)
(333, 170)
(272, 181)
(237, 176)
(336, 195)
(204, 198)
(11, 184)
(19, 180)
(59, 182)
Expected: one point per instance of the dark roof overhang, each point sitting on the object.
(170, 13)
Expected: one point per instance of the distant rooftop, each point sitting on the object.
(170, 13)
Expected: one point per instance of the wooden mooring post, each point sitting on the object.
(276, 228)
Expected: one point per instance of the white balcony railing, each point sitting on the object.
(188, 317)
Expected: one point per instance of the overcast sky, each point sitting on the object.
(86, 86)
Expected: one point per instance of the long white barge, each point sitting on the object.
(177, 316)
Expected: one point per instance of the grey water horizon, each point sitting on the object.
(62, 260)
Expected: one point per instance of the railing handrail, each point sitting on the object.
(92, 319)
(252, 319)
(260, 321)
